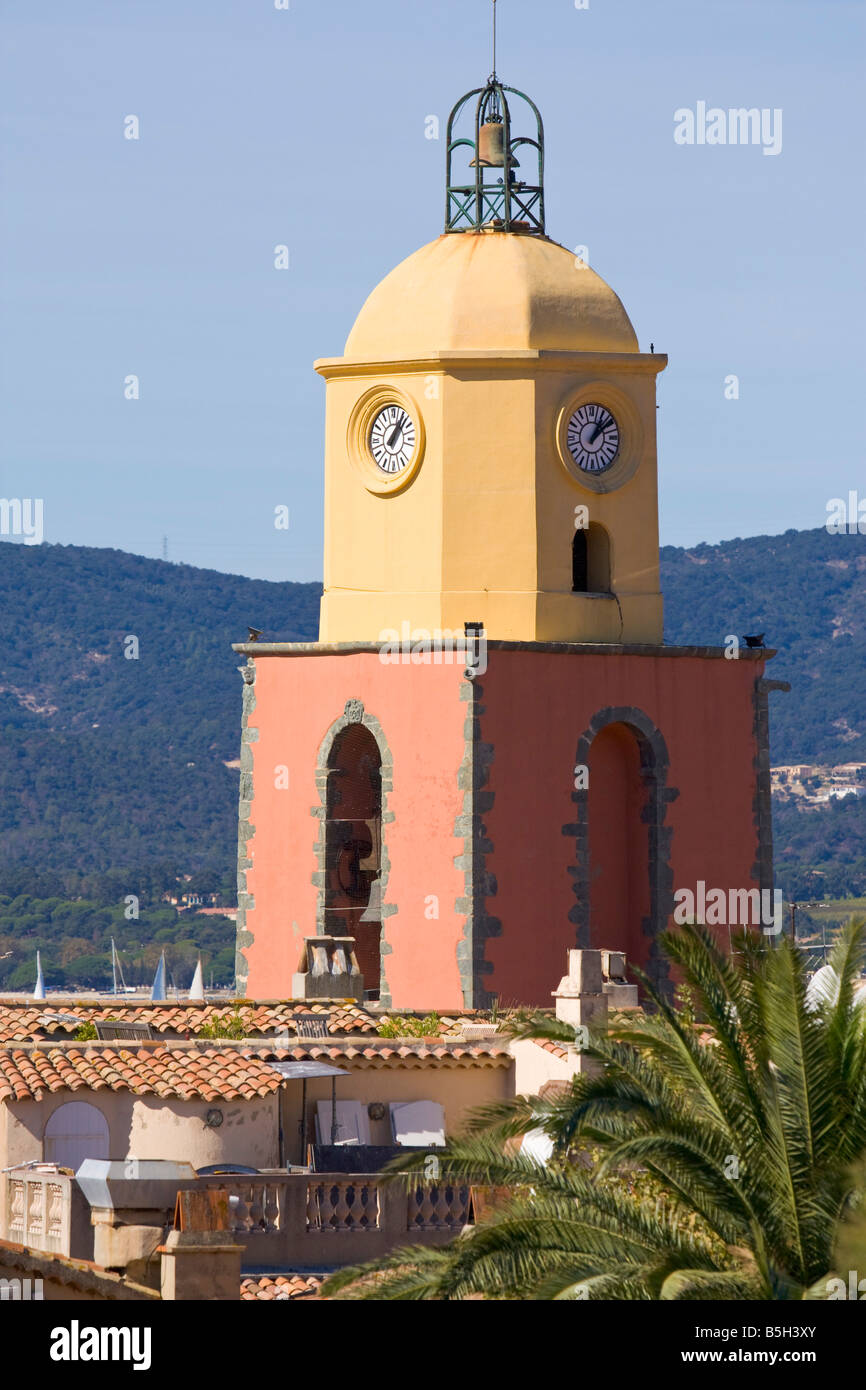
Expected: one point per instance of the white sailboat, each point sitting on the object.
(196, 989)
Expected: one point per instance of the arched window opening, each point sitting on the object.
(353, 847)
(619, 846)
(579, 569)
(74, 1132)
(590, 560)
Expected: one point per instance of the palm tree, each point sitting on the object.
(723, 1158)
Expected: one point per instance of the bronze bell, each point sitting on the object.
(491, 147)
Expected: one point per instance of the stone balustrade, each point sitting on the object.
(45, 1210)
(324, 1219)
(288, 1220)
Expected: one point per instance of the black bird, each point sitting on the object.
(255, 633)
(754, 640)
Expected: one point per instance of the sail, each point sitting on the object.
(196, 989)
(158, 989)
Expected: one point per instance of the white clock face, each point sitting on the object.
(593, 438)
(393, 439)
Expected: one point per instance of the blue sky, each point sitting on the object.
(261, 126)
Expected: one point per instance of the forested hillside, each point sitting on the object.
(807, 591)
(113, 775)
(111, 762)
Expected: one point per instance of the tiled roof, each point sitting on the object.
(550, 1046)
(391, 1052)
(279, 1288)
(86, 1278)
(225, 1071)
(186, 1073)
(25, 1021)
(555, 1090)
(19, 1022)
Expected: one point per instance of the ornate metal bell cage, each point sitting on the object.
(496, 198)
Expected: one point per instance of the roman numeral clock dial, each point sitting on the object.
(393, 439)
(593, 438)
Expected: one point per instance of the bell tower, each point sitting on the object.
(490, 463)
(490, 449)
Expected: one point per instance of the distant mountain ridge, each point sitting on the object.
(807, 591)
(110, 762)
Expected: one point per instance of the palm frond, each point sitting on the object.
(718, 1170)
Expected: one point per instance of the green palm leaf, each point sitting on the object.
(681, 1169)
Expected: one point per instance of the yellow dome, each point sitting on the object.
(490, 290)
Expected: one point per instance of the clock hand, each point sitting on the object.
(599, 429)
(398, 429)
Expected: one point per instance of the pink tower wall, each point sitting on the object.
(537, 705)
(531, 708)
(297, 699)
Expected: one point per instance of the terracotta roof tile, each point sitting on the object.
(279, 1288)
(224, 1070)
(492, 1051)
(27, 1021)
(550, 1046)
(218, 1074)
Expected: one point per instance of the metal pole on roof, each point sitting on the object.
(303, 1125)
(281, 1150)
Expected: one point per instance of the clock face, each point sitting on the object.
(593, 438)
(393, 439)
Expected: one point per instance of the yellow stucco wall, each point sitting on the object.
(148, 1127)
(457, 1089)
(535, 1065)
(481, 527)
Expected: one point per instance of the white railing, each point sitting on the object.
(37, 1211)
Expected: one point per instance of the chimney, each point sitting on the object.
(620, 994)
(581, 1001)
(131, 1203)
(200, 1259)
(328, 969)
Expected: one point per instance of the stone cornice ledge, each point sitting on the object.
(497, 645)
(480, 359)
